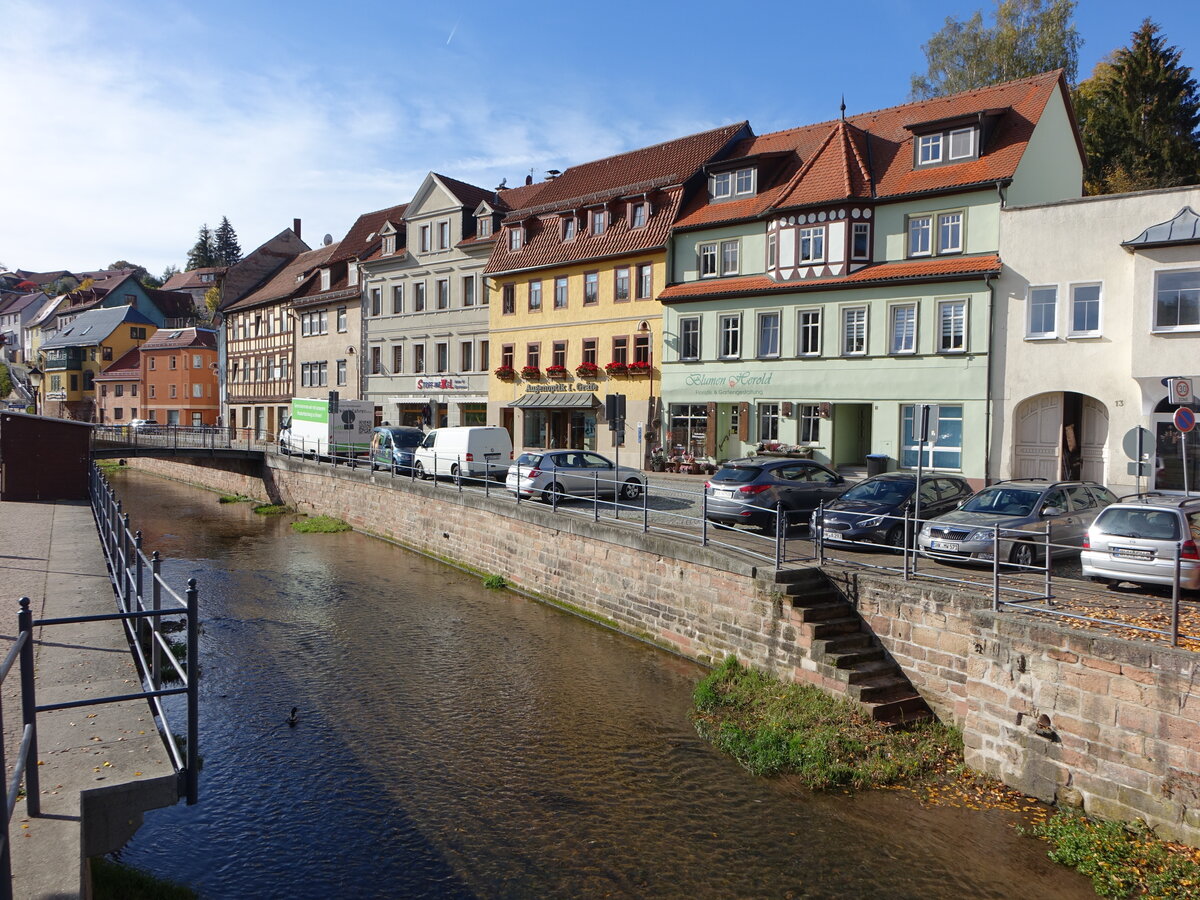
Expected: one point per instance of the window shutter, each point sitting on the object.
(743, 421)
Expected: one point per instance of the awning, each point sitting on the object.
(556, 400)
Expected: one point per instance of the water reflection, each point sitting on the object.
(459, 742)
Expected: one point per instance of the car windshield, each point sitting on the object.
(407, 439)
(1003, 501)
(1154, 524)
(737, 474)
(529, 460)
(881, 491)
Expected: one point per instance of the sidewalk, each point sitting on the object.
(101, 766)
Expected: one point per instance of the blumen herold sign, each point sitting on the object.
(442, 383)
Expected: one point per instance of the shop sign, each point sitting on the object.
(562, 387)
(442, 383)
(56, 395)
(739, 383)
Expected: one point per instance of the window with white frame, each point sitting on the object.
(904, 329)
(808, 340)
(560, 292)
(1177, 300)
(516, 237)
(535, 296)
(854, 331)
(743, 182)
(341, 319)
(929, 149)
(324, 279)
(689, 338)
(721, 185)
(708, 260)
(860, 241)
(768, 421)
(425, 241)
(730, 330)
(599, 221)
(389, 244)
(483, 227)
(341, 372)
(952, 326)
(812, 244)
(1043, 312)
(637, 215)
(772, 249)
(418, 296)
(1085, 310)
(950, 236)
(443, 293)
(645, 281)
(962, 143)
(810, 423)
(920, 235)
(730, 253)
(443, 235)
(740, 183)
(591, 288)
(944, 451)
(768, 334)
(568, 228)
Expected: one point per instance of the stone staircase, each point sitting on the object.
(847, 654)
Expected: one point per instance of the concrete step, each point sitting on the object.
(809, 575)
(853, 658)
(876, 689)
(828, 628)
(864, 671)
(846, 642)
(905, 709)
(823, 612)
(812, 596)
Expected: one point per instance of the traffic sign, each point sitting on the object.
(1181, 390)
(1185, 419)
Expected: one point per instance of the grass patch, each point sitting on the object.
(108, 464)
(773, 728)
(233, 498)
(115, 881)
(495, 582)
(272, 509)
(320, 525)
(1123, 859)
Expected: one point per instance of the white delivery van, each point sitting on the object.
(321, 428)
(472, 450)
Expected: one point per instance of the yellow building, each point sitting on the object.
(573, 279)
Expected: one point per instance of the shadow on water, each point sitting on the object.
(458, 742)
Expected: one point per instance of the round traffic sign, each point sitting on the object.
(1181, 390)
(1185, 419)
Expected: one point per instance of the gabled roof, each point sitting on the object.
(181, 338)
(289, 281)
(127, 368)
(1183, 229)
(871, 154)
(23, 301)
(94, 326)
(363, 235)
(469, 195)
(192, 278)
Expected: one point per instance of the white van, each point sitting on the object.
(473, 450)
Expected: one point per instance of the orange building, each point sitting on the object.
(179, 372)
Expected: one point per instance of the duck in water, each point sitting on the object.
(292, 719)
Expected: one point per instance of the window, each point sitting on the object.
(118, 390)
(1085, 309)
(591, 288)
(324, 279)
(174, 391)
(484, 227)
(637, 215)
(689, 338)
(860, 241)
(466, 356)
(944, 451)
(645, 281)
(535, 296)
(483, 356)
(621, 283)
(730, 330)
(341, 319)
(443, 235)
(196, 361)
(468, 290)
(397, 299)
(151, 361)
(721, 185)
(950, 232)
(952, 326)
(341, 372)
(641, 349)
(599, 221)
(1043, 312)
(904, 329)
(812, 244)
(197, 390)
(397, 358)
(418, 359)
(810, 423)
(376, 302)
(137, 333)
(772, 249)
(620, 351)
(389, 244)
(808, 342)
(920, 233)
(425, 243)
(729, 257)
(443, 293)
(558, 353)
(768, 334)
(708, 260)
(560, 292)
(589, 351)
(323, 321)
(768, 421)
(441, 352)
(854, 331)
(724, 185)
(1177, 301)
(508, 354)
(962, 143)
(568, 228)
(516, 237)
(173, 362)
(533, 355)
(929, 149)
(743, 181)
(508, 305)
(419, 297)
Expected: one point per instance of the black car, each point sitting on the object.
(862, 513)
(746, 491)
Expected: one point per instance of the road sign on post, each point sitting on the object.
(614, 411)
(1185, 419)
(1180, 390)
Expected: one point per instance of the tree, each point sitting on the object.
(169, 272)
(228, 249)
(204, 251)
(1138, 118)
(139, 272)
(1028, 37)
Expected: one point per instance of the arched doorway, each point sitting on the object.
(1060, 435)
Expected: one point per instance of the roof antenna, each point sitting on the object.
(843, 107)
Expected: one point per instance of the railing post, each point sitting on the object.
(33, 788)
(995, 568)
(596, 495)
(646, 506)
(1046, 561)
(780, 532)
(458, 479)
(193, 694)
(487, 478)
(909, 527)
(517, 492)
(126, 547)
(704, 519)
(821, 534)
(156, 627)
(138, 587)
(1175, 592)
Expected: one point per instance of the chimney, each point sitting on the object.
(529, 179)
(296, 226)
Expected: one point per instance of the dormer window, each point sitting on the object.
(568, 228)
(726, 185)
(484, 227)
(637, 215)
(947, 146)
(962, 143)
(929, 149)
(206, 276)
(324, 279)
(516, 237)
(599, 221)
(389, 244)
(352, 268)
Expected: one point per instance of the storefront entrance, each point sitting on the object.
(555, 429)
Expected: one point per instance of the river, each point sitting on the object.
(454, 741)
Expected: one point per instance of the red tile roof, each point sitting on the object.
(289, 281)
(177, 338)
(871, 154)
(363, 235)
(127, 368)
(191, 279)
(941, 268)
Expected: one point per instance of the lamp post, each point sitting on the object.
(35, 382)
(644, 328)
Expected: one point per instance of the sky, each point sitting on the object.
(130, 124)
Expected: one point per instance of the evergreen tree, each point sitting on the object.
(1028, 38)
(168, 272)
(204, 252)
(228, 249)
(1138, 117)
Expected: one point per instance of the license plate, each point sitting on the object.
(723, 495)
(491, 456)
(1130, 553)
(951, 546)
(834, 536)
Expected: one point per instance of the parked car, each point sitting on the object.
(873, 510)
(575, 473)
(1023, 510)
(143, 426)
(1137, 539)
(746, 491)
(392, 446)
(471, 450)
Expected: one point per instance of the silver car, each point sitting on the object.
(1023, 511)
(552, 475)
(1138, 539)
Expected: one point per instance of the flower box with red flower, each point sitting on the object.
(616, 368)
(531, 373)
(639, 367)
(505, 372)
(557, 372)
(587, 370)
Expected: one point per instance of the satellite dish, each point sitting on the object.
(328, 239)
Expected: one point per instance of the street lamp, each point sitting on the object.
(644, 328)
(35, 382)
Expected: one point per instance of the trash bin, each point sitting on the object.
(877, 464)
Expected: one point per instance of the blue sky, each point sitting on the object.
(131, 123)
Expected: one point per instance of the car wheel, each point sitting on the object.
(1023, 554)
(454, 470)
(894, 536)
(374, 467)
(631, 489)
(420, 471)
(552, 493)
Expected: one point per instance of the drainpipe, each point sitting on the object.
(987, 410)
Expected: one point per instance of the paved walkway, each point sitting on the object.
(101, 766)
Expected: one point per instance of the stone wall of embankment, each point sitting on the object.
(1060, 713)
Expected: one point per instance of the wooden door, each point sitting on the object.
(1037, 436)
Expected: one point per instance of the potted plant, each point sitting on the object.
(556, 371)
(507, 373)
(531, 373)
(587, 370)
(638, 367)
(658, 460)
(616, 368)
